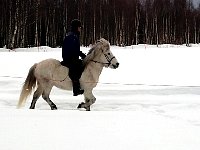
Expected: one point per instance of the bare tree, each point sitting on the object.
(123, 22)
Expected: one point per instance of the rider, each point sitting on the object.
(70, 54)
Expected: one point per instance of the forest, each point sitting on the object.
(27, 23)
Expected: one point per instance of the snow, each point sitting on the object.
(151, 102)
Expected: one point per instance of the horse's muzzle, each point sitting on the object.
(115, 66)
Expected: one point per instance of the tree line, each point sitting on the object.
(25, 23)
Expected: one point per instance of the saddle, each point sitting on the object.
(64, 64)
(75, 68)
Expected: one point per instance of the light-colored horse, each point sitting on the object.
(50, 72)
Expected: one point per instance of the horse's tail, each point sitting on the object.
(28, 86)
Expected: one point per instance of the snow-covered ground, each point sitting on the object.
(151, 102)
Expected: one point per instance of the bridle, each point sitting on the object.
(107, 58)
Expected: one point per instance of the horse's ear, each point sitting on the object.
(104, 42)
(98, 41)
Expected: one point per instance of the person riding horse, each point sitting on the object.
(71, 53)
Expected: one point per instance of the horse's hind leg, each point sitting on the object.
(36, 95)
(45, 96)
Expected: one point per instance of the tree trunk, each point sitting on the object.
(156, 24)
(16, 25)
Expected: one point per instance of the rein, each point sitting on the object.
(100, 62)
(108, 59)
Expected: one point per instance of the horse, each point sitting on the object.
(48, 73)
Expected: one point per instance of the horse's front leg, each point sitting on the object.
(89, 100)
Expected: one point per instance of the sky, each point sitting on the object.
(196, 2)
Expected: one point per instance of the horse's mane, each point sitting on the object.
(100, 46)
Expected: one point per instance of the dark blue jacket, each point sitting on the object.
(71, 48)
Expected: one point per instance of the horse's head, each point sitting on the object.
(106, 56)
(100, 53)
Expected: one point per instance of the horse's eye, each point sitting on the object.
(108, 53)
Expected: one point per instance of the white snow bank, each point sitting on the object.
(151, 102)
(61, 130)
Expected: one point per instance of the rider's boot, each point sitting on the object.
(76, 88)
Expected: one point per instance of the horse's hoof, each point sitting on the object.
(87, 108)
(80, 105)
(54, 108)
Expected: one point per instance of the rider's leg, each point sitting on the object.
(75, 71)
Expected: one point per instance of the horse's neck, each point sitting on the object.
(92, 72)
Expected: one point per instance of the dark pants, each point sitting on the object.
(75, 69)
